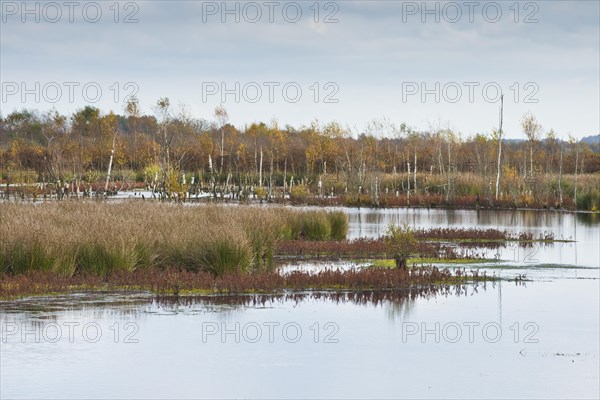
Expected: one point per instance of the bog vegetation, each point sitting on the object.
(383, 281)
(98, 238)
(177, 156)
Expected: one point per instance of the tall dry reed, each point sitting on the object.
(100, 237)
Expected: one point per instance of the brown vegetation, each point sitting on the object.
(382, 166)
(176, 281)
(70, 238)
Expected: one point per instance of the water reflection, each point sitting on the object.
(171, 359)
(95, 304)
(582, 227)
(364, 298)
(111, 305)
(588, 219)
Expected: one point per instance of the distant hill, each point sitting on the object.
(593, 140)
(515, 141)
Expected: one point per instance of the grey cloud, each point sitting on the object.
(370, 52)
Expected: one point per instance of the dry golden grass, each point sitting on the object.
(102, 237)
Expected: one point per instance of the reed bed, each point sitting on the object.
(482, 235)
(181, 282)
(99, 238)
(365, 248)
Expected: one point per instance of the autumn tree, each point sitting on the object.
(532, 130)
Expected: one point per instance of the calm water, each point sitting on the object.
(584, 228)
(533, 339)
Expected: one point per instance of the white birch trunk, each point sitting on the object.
(112, 154)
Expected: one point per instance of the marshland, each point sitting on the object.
(365, 199)
(166, 270)
(394, 255)
(152, 245)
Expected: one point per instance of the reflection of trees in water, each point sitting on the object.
(588, 219)
(375, 221)
(93, 304)
(398, 303)
(402, 309)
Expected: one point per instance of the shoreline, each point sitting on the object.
(232, 194)
(294, 204)
(179, 282)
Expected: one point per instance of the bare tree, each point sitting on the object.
(110, 163)
(163, 111)
(560, 168)
(574, 142)
(222, 118)
(132, 109)
(451, 164)
(500, 145)
(532, 129)
(54, 128)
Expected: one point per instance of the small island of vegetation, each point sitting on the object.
(96, 245)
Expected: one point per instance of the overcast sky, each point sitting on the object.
(353, 61)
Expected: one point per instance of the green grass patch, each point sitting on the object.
(386, 263)
(225, 256)
(339, 224)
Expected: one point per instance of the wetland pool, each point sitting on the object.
(532, 338)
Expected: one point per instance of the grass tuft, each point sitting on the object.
(339, 225)
(70, 238)
(221, 256)
(315, 227)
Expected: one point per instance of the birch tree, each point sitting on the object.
(163, 111)
(222, 119)
(499, 145)
(560, 168)
(573, 142)
(532, 129)
(132, 110)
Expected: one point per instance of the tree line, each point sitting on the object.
(172, 151)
